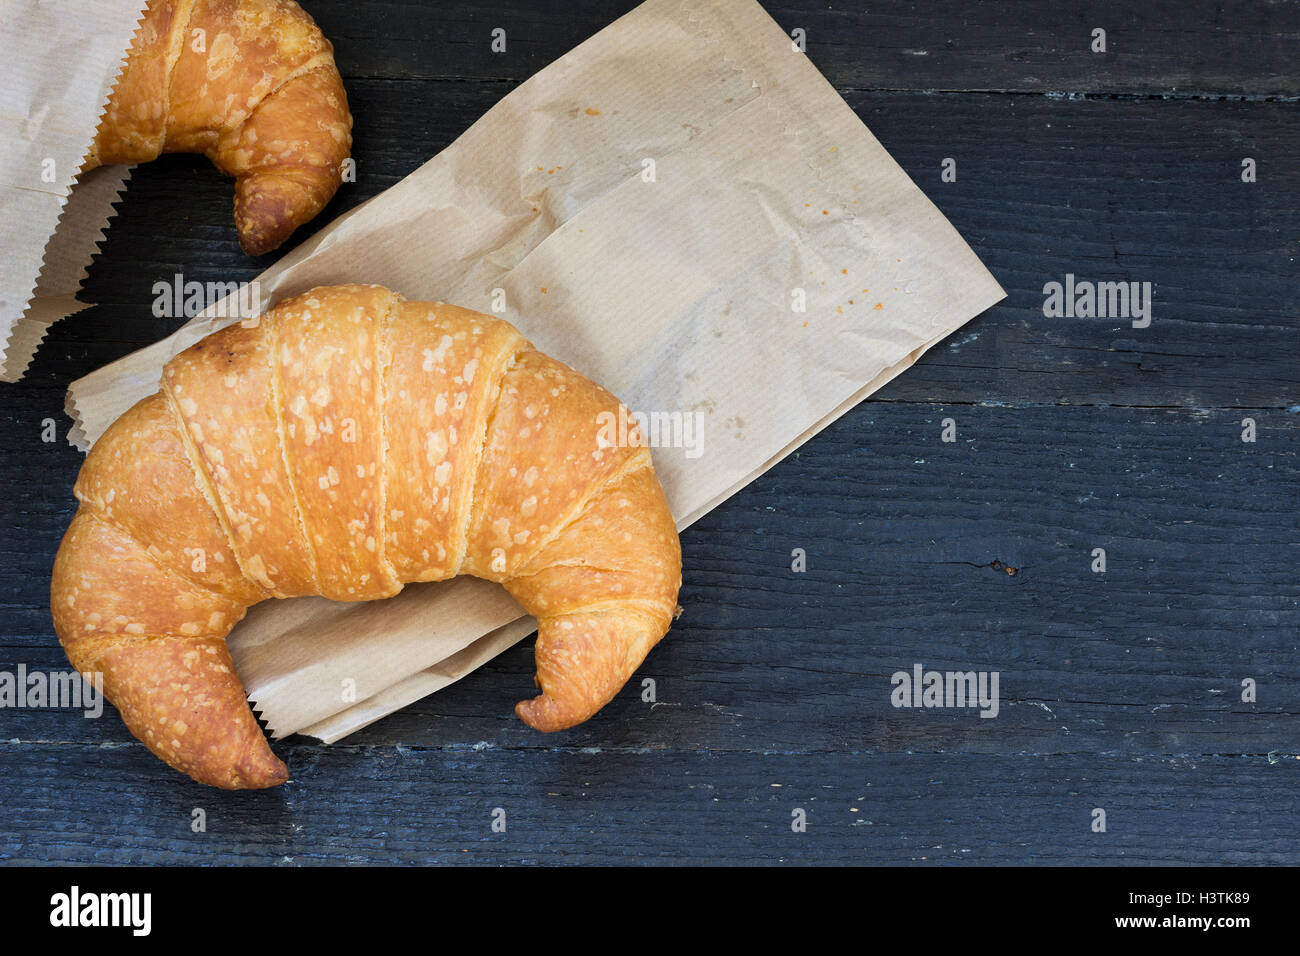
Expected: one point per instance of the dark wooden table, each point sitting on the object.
(1120, 691)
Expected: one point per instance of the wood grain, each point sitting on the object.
(1156, 48)
(650, 808)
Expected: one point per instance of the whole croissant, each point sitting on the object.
(348, 443)
(252, 85)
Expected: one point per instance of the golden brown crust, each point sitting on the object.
(224, 393)
(604, 593)
(185, 702)
(445, 365)
(345, 444)
(140, 477)
(134, 126)
(250, 83)
(522, 501)
(158, 640)
(287, 158)
(327, 381)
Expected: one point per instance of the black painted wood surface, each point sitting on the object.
(1120, 691)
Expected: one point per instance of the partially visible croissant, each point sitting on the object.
(252, 85)
(349, 443)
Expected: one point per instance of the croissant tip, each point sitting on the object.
(271, 204)
(261, 771)
(542, 713)
(259, 244)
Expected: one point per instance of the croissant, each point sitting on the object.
(348, 443)
(252, 85)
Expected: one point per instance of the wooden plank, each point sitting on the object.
(1159, 47)
(352, 805)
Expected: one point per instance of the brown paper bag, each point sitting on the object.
(59, 60)
(683, 209)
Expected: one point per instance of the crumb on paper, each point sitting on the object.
(543, 290)
(592, 111)
(826, 212)
(878, 305)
